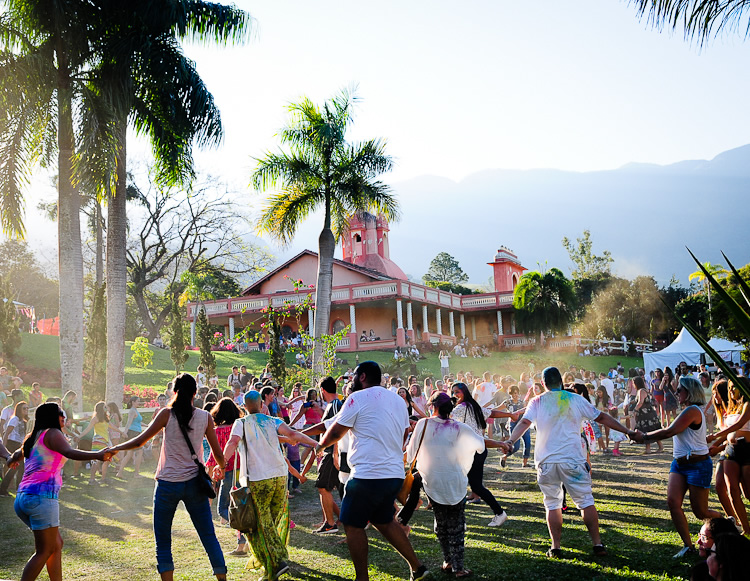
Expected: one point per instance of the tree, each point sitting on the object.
(10, 336)
(208, 359)
(445, 268)
(587, 264)
(177, 339)
(142, 75)
(724, 323)
(715, 270)
(543, 302)
(700, 19)
(31, 285)
(95, 352)
(43, 51)
(451, 287)
(322, 169)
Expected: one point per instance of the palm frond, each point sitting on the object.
(285, 211)
(699, 19)
(212, 22)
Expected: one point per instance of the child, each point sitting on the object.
(99, 426)
(616, 437)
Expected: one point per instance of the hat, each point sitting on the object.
(439, 398)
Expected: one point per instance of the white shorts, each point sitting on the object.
(576, 478)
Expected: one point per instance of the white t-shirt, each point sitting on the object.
(445, 457)
(261, 456)
(19, 429)
(609, 385)
(462, 413)
(200, 380)
(558, 415)
(484, 393)
(378, 419)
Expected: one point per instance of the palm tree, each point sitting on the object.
(44, 46)
(699, 18)
(143, 75)
(715, 270)
(322, 169)
(544, 302)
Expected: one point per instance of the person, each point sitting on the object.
(263, 469)
(646, 415)
(515, 405)
(736, 464)
(200, 378)
(559, 457)
(133, 427)
(45, 450)
(233, 379)
(177, 474)
(468, 411)
(17, 396)
(245, 377)
(657, 392)
(444, 358)
(712, 528)
(417, 397)
(379, 425)
(444, 450)
(691, 467)
(412, 408)
(224, 414)
(36, 397)
(13, 437)
(728, 561)
(670, 398)
(99, 429)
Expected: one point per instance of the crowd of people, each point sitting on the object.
(360, 430)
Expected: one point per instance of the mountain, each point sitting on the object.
(645, 214)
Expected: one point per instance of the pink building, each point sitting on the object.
(372, 294)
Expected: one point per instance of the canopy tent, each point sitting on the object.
(686, 348)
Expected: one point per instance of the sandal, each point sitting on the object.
(464, 573)
(446, 568)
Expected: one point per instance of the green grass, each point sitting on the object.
(107, 532)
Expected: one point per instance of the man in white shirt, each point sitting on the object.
(559, 457)
(377, 421)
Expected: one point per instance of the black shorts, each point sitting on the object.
(369, 501)
(738, 452)
(328, 476)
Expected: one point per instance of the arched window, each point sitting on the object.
(514, 278)
(357, 238)
(338, 324)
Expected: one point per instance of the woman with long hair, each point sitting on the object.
(736, 465)
(601, 433)
(224, 413)
(720, 402)
(133, 427)
(177, 474)
(14, 433)
(412, 409)
(45, 450)
(669, 387)
(469, 412)
(691, 468)
(658, 394)
(99, 427)
(646, 416)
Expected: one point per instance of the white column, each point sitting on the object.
(409, 325)
(231, 328)
(439, 318)
(451, 325)
(399, 315)
(462, 324)
(192, 333)
(473, 329)
(311, 323)
(512, 325)
(499, 322)
(352, 320)
(425, 328)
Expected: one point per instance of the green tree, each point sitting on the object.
(31, 285)
(142, 355)
(450, 287)
(10, 336)
(445, 268)
(715, 270)
(177, 339)
(723, 323)
(587, 264)
(543, 302)
(694, 311)
(203, 330)
(321, 168)
(95, 352)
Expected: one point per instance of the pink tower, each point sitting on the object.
(506, 269)
(365, 243)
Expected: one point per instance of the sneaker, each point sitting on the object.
(600, 550)
(503, 461)
(421, 573)
(616, 453)
(498, 520)
(554, 553)
(684, 552)
(326, 528)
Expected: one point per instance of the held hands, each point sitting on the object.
(636, 436)
(302, 478)
(217, 473)
(107, 454)
(506, 446)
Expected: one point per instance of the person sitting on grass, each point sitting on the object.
(559, 457)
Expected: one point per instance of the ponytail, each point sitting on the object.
(182, 402)
(47, 417)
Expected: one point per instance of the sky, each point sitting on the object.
(457, 88)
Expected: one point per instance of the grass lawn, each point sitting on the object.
(107, 532)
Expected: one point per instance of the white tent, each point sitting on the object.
(687, 349)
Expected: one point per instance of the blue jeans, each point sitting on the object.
(293, 481)
(167, 496)
(222, 505)
(526, 442)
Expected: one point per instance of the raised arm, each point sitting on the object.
(688, 417)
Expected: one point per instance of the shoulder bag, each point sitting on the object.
(403, 494)
(242, 515)
(205, 484)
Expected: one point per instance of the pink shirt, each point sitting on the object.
(42, 474)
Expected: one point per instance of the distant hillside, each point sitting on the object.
(644, 214)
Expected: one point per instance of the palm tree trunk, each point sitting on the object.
(70, 254)
(117, 275)
(323, 289)
(99, 259)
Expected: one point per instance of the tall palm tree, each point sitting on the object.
(321, 168)
(143, 75)
(544, 302)
(718, 272)
(700, 19)
(43, 46)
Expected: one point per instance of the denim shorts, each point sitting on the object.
(37, 512)
(698, 474)
(369, 500)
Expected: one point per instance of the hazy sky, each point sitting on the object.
(460, 87)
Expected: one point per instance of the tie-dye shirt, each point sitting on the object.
(42, 474)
